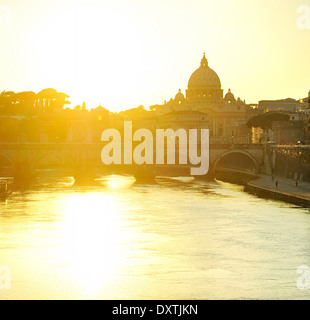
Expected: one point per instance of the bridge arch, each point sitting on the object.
(52, 155)
(248, 155)
(7, 157)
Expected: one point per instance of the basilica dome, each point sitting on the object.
(204, 77)
(204, 85)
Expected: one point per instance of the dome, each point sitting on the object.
(204, 77)
(179, 96)
(229, 96)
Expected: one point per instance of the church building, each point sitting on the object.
(226, 116)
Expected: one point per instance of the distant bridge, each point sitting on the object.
(32, 156)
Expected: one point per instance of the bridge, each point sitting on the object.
(25, 158)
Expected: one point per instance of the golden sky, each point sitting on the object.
(124, 53)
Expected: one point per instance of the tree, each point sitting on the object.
(25, 102)
(60, 101)
(45, 97)
(49, 99)
(7, 102)
(265, 120)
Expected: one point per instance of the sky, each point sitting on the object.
(126, 53)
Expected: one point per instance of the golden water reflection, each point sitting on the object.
(177, 239)
(92, 232)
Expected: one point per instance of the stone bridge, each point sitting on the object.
(32, 156)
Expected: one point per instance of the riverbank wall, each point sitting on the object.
(277, 195)
(248, 181)
(236, 177)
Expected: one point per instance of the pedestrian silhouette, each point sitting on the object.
(277, 182)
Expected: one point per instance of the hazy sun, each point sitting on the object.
(93, 50)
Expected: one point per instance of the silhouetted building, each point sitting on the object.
(283, 105)
(183, 120)
(226, 116)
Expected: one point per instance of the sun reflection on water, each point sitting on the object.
(118, 182)
(165, 241)
(95, 233)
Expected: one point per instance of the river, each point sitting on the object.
(177, 239)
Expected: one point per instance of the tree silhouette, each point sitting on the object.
(25, 102)
(7, 102)
(49, 99)
(265, 120)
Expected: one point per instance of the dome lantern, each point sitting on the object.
(204, 61)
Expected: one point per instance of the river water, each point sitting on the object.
(177, 239)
